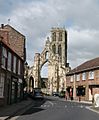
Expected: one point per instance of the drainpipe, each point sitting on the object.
(74, 87)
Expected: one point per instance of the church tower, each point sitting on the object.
(59, 44)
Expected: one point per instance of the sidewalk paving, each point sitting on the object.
(11, 110)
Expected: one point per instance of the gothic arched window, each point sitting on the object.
(59, 50)
(54, 36)
(31, 82)
(54, 48)
(46, 55)
(60, 36)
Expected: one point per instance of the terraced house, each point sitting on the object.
(12, 58)
(83, 81)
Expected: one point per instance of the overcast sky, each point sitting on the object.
(35, 18)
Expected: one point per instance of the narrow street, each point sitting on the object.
(54, 108)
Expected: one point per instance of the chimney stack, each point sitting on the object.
(2, 26)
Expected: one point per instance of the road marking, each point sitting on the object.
(41, 105)
(3, 118)
(48, 105)
(87, 107)
(65, 106)
(14, 118)
(45, 105)
(81, 106)
(51, 103)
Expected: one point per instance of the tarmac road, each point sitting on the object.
(53, 108)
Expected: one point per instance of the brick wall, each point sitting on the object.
(16, 41)
(95, 91)
(4, 34)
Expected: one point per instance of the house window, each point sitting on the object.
(19, 90)
(71, 78)
(19, 67)
(84, 76)
(91, 75)
(14, 64)
(4, 57)
(9, 61)
(78, 77)
(2, 78)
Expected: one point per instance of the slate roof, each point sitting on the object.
(86, 66)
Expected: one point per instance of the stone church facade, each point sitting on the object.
(55, 53)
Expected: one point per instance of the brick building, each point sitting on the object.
(14, 39)
(83, 80)
(12, 58)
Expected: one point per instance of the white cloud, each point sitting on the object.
(83, 45)
(35, 19)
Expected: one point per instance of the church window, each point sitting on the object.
(46, 55)
(60, 36)
(59, 50)
(54, 36)
(54, 48)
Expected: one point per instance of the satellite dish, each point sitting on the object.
(96, 98)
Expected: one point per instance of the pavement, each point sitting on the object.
(9, 111)
(6, 113)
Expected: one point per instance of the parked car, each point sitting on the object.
(55, 94)
(62, 94)
(38, 95)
